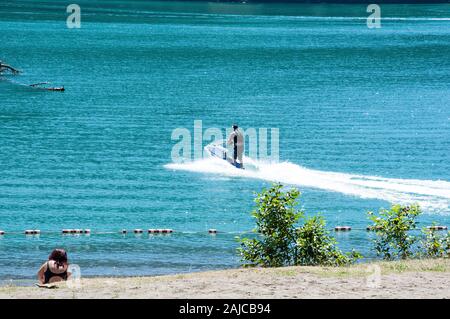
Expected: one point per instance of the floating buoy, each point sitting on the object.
(138, 231)
(212, 231)
(371, 228)
(342, 228)
(76, 231)
(32, 232)
(437, 227)
(160, 231)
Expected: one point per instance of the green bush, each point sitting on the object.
(275, 221)
(435, 244)
(315, 246)
(280, 243)
(447, 245)
(393, 238)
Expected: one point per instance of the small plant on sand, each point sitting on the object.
(280, 243)
(315, 246)
(275, 216)
(393, 238)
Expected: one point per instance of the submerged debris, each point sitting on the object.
(40, 86)
(7, 68)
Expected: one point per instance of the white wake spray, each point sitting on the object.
(433, 196)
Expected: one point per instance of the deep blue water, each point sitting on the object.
(345, 98)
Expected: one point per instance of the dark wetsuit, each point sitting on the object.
(49, 275)
(236, 138)
(235, 148)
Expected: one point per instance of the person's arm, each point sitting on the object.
(41, 272)
(230, 139)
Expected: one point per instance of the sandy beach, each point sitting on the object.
(407, 279)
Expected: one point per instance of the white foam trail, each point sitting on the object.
(433, 196)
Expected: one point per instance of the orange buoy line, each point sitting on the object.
(212, 231)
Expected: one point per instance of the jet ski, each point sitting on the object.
(218, 151)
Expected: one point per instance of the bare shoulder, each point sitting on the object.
(43, 267)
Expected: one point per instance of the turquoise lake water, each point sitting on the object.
(363, 116)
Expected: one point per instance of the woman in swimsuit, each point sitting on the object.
(55, 269)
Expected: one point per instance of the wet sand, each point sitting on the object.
(407, 279)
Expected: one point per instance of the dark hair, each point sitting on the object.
(59, 256)
(235, 126)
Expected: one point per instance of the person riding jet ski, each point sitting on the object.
(236, 139)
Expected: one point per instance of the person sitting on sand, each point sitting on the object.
(55, 269)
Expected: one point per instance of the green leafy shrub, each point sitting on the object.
(435, 244)
(315, 246)
(280, 243)
(393, 238)
(447, 245)
(275, 216)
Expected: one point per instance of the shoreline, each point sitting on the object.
(398, 279)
